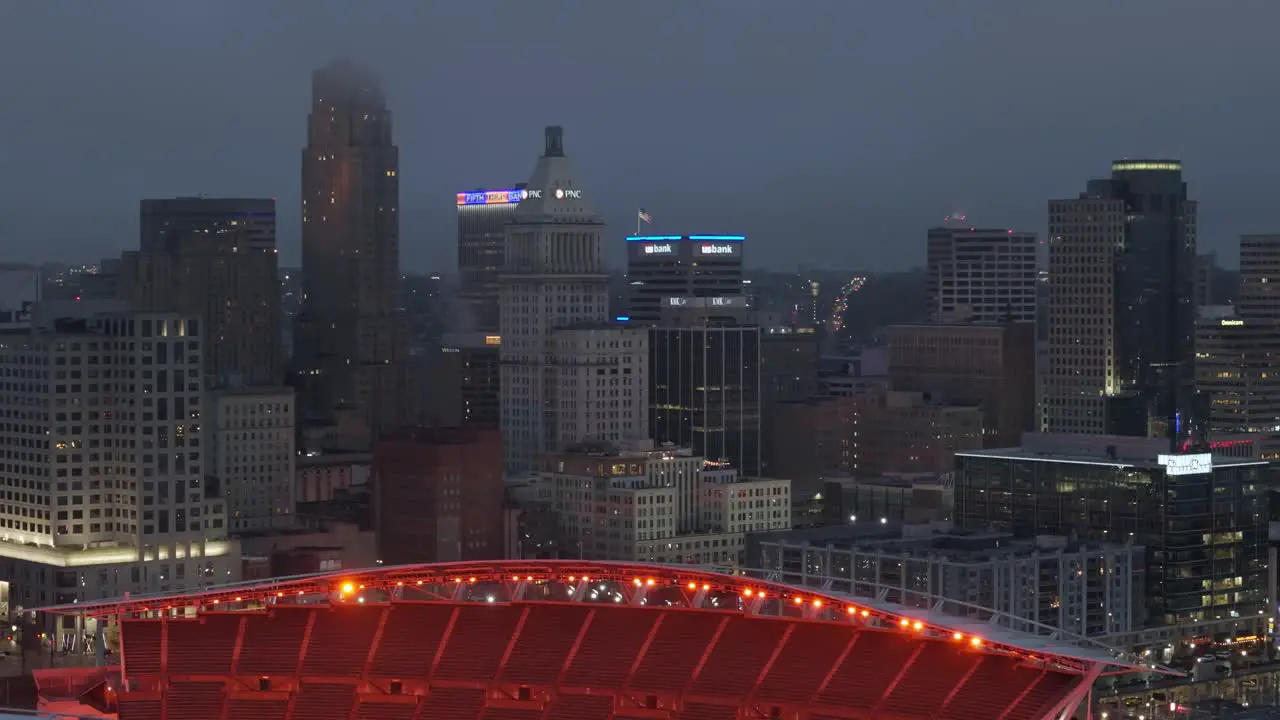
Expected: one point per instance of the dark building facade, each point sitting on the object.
(704, 391)
(352, 334)
(1202, 518)
(1122, 274)
(482, 220)
(681, 266)
(213, 258)
(464, 376)
(438, 495)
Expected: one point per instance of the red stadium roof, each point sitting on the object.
(532, 640)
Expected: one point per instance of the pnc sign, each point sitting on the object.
(563, 194)
(663, 249)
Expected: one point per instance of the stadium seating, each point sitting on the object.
(559, 661)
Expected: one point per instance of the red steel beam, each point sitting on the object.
(897, 679)
(297, 670)
(773, 657)
(706, 655)
(1025, 691)
(573, 649)
(644, 648)
(511, 644)
(373, 648)
(444, 641)
(826, 679)
(164, 667)
(955, 690)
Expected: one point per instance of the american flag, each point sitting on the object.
(644, 217)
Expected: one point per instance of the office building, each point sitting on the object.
(438, 495)
(482, 220)
(981, 275)
(1122, 268)
(704, 383)
(106, 488)
(351, 348)
(992, 366)
(567, 375)
(1206, 270)
(1037, 585)
(464, 387)
(685, 266)
(664, 506)
(252, 445)
(1201, 517)
(1236, 348)
(214, 259)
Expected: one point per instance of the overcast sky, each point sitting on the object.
(833, 132)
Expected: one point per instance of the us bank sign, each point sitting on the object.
(663, 249)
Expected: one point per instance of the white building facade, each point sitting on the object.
(103, 478)
(663, 506)
(252, 444)
(553, 286)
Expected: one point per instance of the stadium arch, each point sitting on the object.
(540, 640)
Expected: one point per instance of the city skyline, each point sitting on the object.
(844, 160)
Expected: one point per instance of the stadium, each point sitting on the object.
(553, 640)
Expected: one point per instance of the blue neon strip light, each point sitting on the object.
(711, 238)
(623, 318)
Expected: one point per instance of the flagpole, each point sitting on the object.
(638, 221)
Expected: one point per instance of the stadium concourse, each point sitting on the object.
(567, 640)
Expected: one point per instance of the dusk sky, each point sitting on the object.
(832, 132)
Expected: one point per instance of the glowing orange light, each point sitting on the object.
(706, 587)
(977, 641)
(746, 592)
(515, 578)
(528, 577)
(693, 586)
(348, 588)
(649, 581)
(957, 636)
(470, 580)
(420, 582)
(636, 582)
(760, 594)
(817, 603)
(851, 610)
(279, 594)
(362, 587)
(918, 625)
(457, 581)
(237, 598)
(586, 579)
(799, 600)
(400, 584)
(904, 622)
(573, 578)
(865, 613)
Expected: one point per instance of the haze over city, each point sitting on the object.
(833, 133)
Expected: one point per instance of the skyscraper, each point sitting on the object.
(214, 259)
(567, 375)
(482, 220)
(352, 344)
(982, 275)
(681, 266)
(1236, 347)
(1122, 263)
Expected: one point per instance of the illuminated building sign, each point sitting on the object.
(1232, 323)
(1198, 464)
(492, 339)
(664, 249)
(716, 249)
(562, 194)
(494, 197)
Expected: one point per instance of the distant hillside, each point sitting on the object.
(886, 299)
